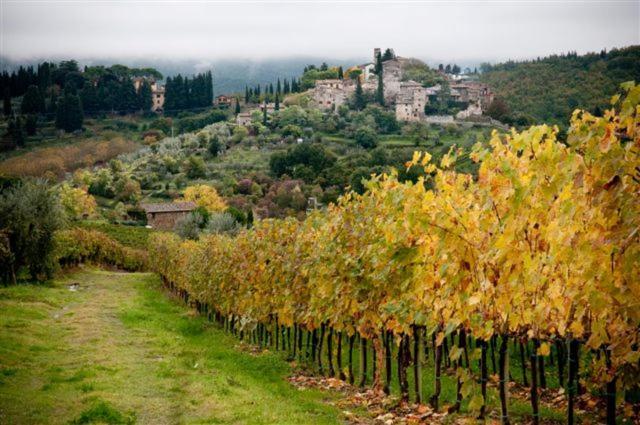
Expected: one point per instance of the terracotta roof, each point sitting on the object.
(169, 207)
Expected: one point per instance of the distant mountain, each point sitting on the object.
(549, 89)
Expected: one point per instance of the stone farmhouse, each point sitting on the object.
(157, 92)
(224, 101)
(243, 118)
(164, 216)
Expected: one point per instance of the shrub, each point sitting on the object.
(223, 223)
(292, 130)
(317, 158)
(366, 137)
(30, 213)
(76, 202)
(195, 167)
(188, 227)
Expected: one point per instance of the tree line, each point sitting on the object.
(188, 93)
(271, 93)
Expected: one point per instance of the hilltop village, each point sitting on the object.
(408, 97)
(390, 77)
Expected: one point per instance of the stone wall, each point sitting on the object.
(165, 220)
(330, 94)
(439, 119)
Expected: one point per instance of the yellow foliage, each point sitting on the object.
(544, 244)
(206, 197)
(76, 202)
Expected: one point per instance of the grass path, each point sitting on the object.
(118, 350)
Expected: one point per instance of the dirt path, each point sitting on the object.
(117, 350)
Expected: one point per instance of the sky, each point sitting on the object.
(208, 30)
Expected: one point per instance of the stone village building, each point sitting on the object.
(163, 216)
(410, 101)
(331, 94)
(157, 92)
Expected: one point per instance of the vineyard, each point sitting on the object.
(539, 255)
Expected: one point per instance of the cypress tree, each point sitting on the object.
(379, 71)
(277, 105)
(128, 98)
(264, 114)
(6, 105)
(278, 87)
(32, 101)
(144, 97)
(341, 72)
(44, 76)
(89, 97)
(69, 115)
(237, 110)
(209, 88)
(16, 131)
(247, 98)
(169, 95)
(358, 100)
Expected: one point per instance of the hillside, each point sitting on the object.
(549, 89)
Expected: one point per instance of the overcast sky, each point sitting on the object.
(454, 30)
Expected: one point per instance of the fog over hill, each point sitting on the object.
(229, 75)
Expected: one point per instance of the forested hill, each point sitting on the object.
(549, 89)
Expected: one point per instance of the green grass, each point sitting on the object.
(119, 350)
